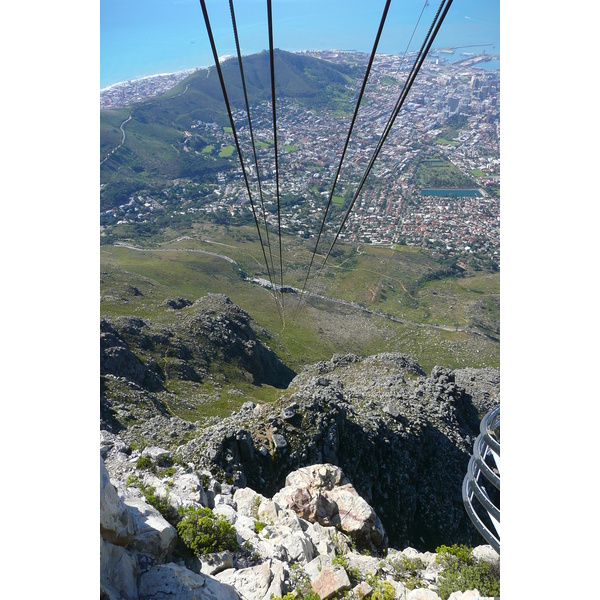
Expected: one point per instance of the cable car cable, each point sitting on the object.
(430, 37)
(239, 55)
(226, 99)
(272, 69)
(362, 90)
(425, 4)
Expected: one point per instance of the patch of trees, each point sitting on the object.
(114, 194)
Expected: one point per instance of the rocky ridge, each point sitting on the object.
(207, 339)
(402, 437)
(279, 550)
(357, 455)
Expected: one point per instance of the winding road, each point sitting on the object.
(353, 305)
(122, 128)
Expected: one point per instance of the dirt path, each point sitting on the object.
(122, 128)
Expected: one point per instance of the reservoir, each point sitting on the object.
(451, 193)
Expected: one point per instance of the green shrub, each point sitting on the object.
(482, 576)
(144, 462)
(448, 555)
(255, 505)
(168, 472)
(259, 526)
(462, 572)
(382, 590)
(407, 570)
(204, 532)
(340, 560)
(160, 504)
(298, 595)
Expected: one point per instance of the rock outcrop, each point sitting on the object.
(140, 355)
(402, 437)
(212, 329)
(355, 456)
(322, 494)
(279, 551)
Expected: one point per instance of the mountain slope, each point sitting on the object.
(403, 437)
(211, 340)
(156, 145)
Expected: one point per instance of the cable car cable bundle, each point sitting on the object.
(434, 28)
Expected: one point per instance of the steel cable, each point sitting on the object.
(429, 38)
(272, 70)
(232, 123)
(362, 90)
(239, 55)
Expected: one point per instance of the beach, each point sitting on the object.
(137, 90)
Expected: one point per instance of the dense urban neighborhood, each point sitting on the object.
(434, 184)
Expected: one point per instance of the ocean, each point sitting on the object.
(139, 38)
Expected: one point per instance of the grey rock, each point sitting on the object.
(226, 511)
(153, 534)
(392, 411)
(164, 582)
(252, 583)
(214, 563)
(288, 413)
(156, 454)
(116, 523)
(486, 553)
(362, 590)
(119, 571)
(356, 517)
(177, 303)
(422, 594)
(279, 573)
(279, 441)
(363, 564)
(314, 568)
(247, 501)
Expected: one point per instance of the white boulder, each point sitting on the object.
(116, 524)
(153, 534)
(174, 581)
(119, 571)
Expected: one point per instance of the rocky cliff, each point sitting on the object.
(394, 442)
(301, 541)
(403, 438)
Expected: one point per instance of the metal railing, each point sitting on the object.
(484, 467)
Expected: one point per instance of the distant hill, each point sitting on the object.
(310, 81)
(154, 143)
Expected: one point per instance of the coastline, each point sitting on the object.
(132, 91)
(183, 73)
(439, 51)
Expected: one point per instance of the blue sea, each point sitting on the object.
(139, 38)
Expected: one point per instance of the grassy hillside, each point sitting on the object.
(154, 148)
(368, 299)
(403, 283)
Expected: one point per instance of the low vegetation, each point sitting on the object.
(404, 283)
(462, 572)
(381, 299)
(408, 571)
(204, 532)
